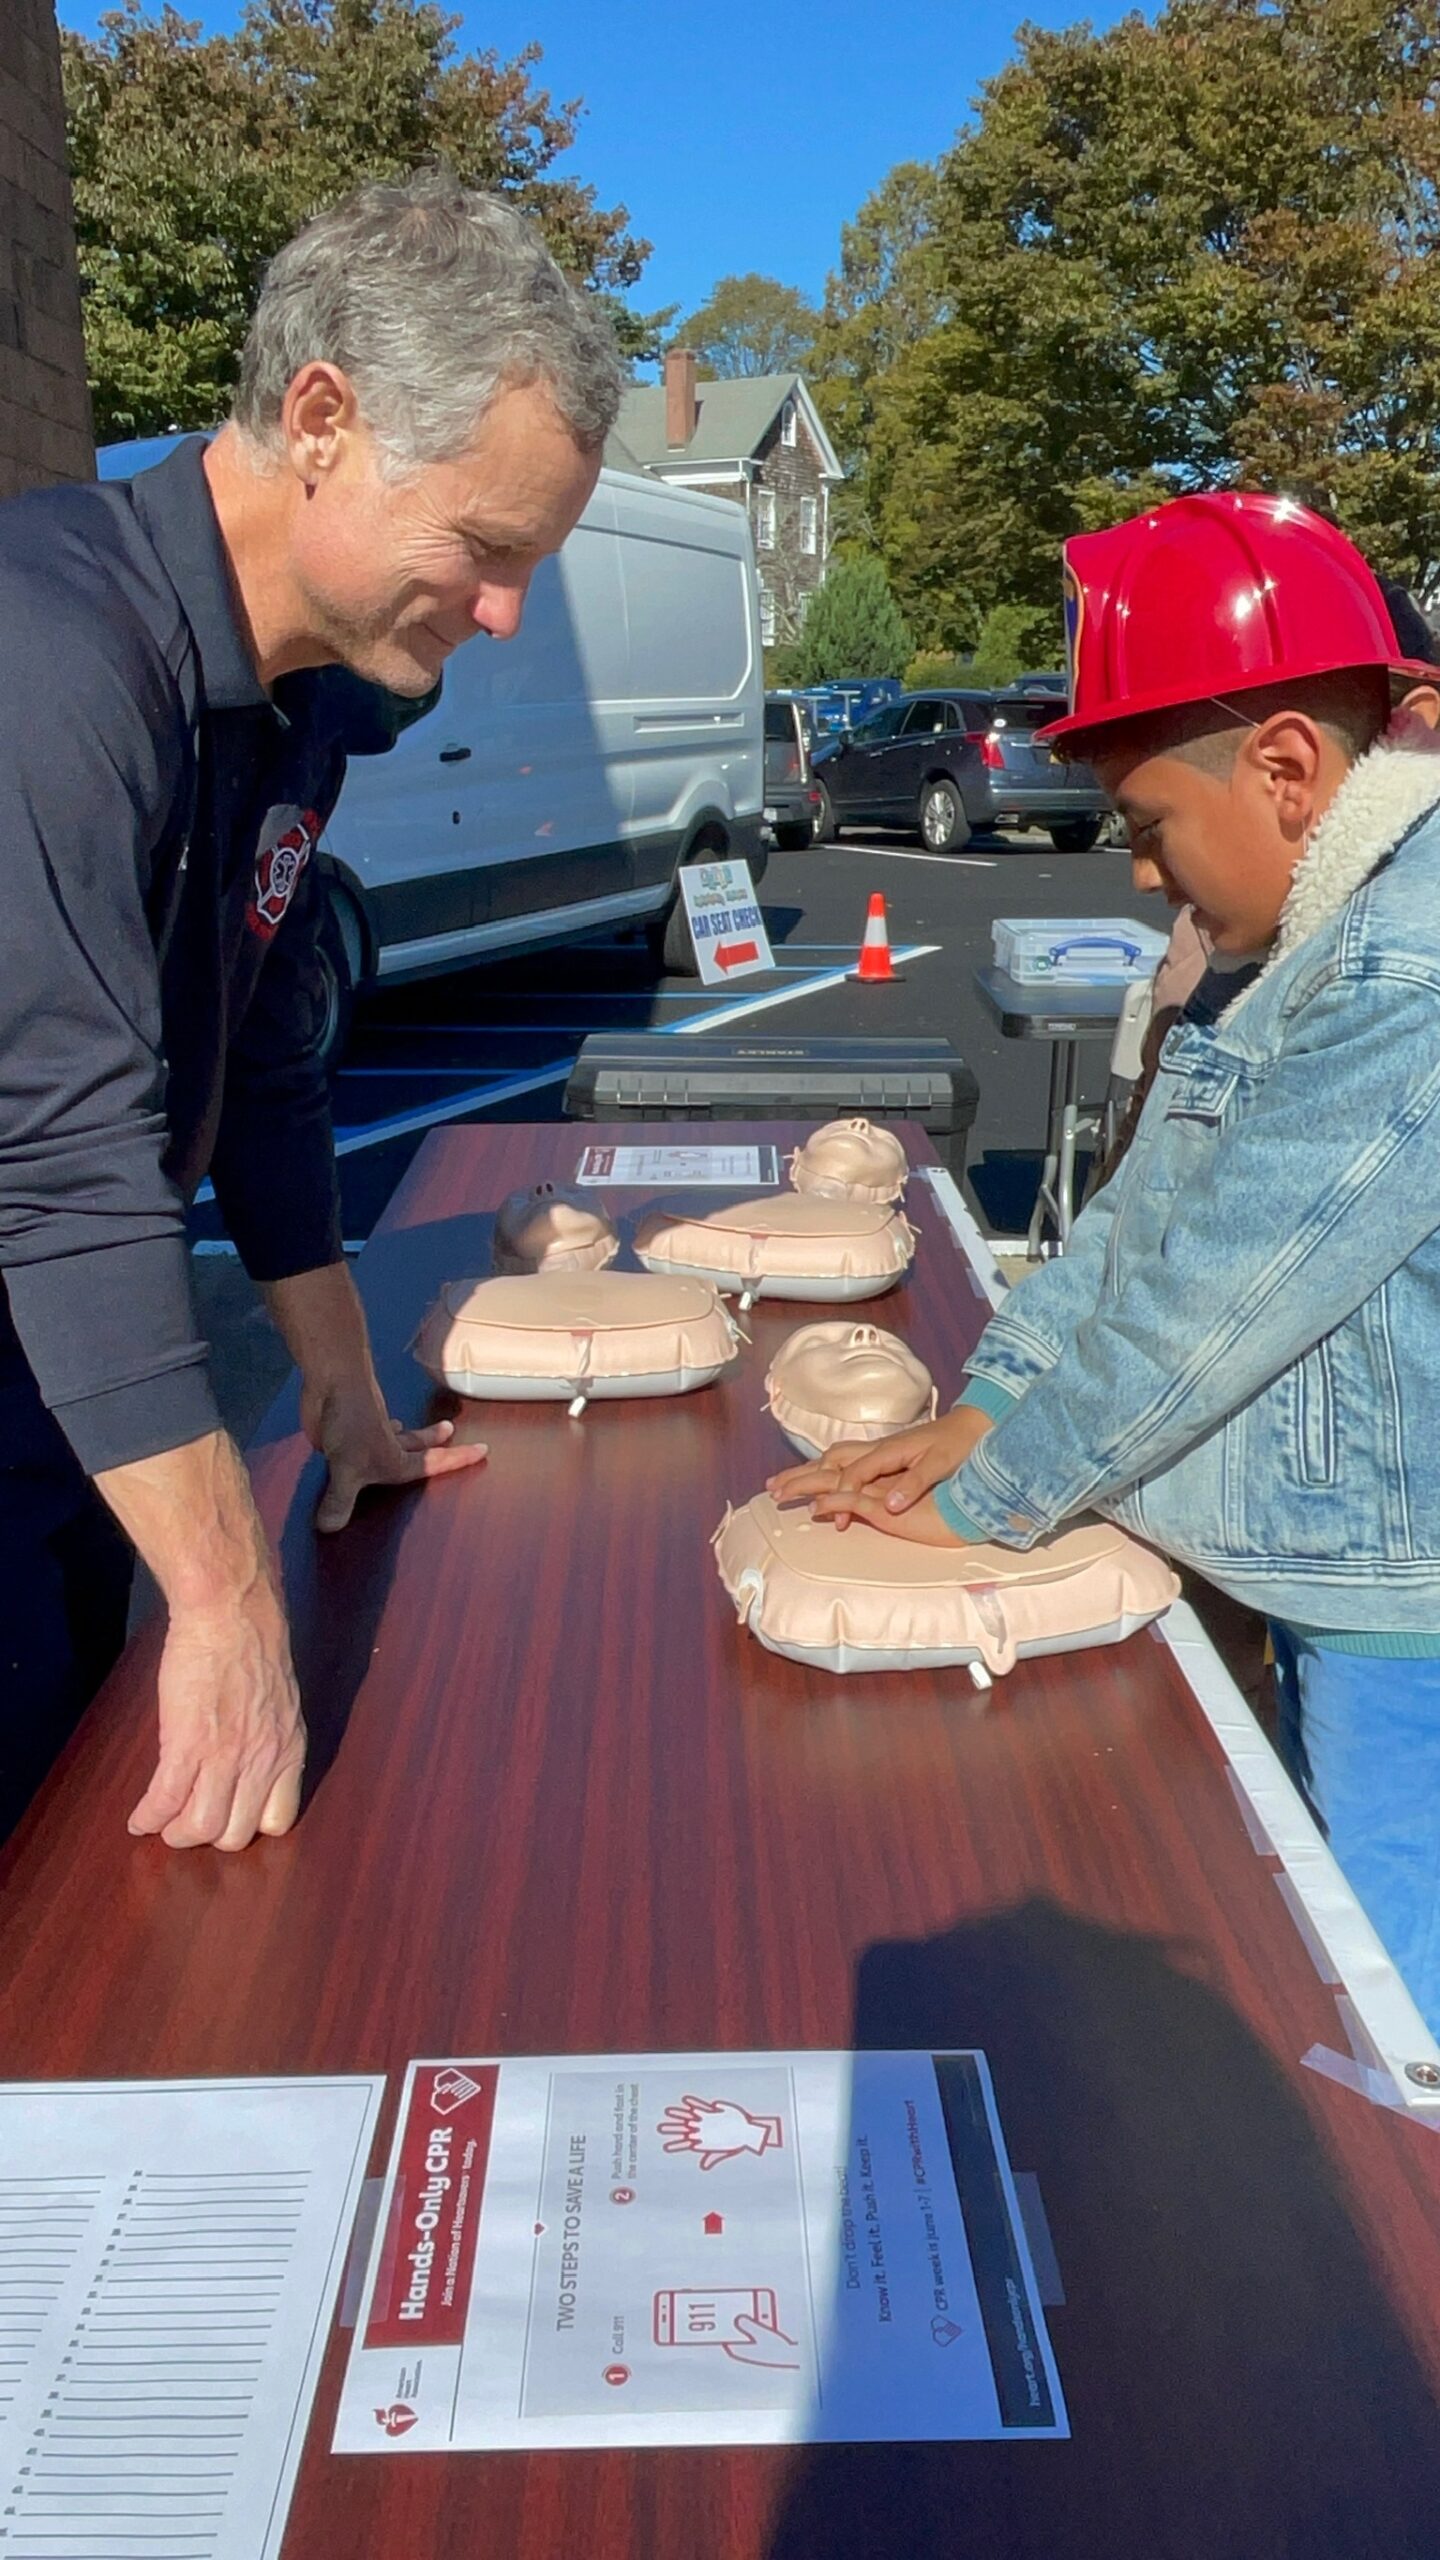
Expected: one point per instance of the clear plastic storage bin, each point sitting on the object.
(1035, 949)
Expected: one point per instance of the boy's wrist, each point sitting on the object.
(956, 1520)
(986, 1395)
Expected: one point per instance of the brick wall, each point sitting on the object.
(44, 405)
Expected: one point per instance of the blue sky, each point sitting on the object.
(743, 138)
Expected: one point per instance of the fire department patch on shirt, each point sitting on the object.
(287, 840)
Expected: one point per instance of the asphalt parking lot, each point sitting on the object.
(498, 1042)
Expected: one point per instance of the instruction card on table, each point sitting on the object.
(725, 2248)
(685, 1168)
(170, 2253)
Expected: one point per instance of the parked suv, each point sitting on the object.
(950, 763)
(1027, 785)
(792, 797)
(916, 763)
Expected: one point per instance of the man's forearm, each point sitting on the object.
(191, 1515)
(322, 1323)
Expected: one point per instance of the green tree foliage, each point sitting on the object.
(886, 294)
(195, 158)
(934, 669)
(1196, 253)
(1014, 640)
(782, 666)
(854, 627)
(751, 324)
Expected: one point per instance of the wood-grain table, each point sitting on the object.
(562, 1804)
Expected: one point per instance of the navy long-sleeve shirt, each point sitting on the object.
(160, 995)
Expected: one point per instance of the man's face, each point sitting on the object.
(394, 575)
(1225, 844)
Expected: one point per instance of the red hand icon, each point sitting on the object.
(762, 2336)
(718, 2130)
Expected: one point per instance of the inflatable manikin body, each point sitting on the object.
(843, 1381)
(570, 1337)
(854, 1600)
(790, 1247)
(851, 1160)
(548, 1230)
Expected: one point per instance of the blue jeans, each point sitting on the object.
(1360, 1736)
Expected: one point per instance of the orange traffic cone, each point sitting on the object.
(876, 969)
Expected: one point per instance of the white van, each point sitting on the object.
(565, 776)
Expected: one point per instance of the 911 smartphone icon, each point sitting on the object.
(695, 2318)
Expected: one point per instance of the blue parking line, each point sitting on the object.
(378, 1133)
(403, 1124)
(720, 998)
(759, 1004)
(493, 1031)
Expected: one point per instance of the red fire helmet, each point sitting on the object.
(1207, 595)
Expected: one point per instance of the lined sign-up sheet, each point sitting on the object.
(169, 2258)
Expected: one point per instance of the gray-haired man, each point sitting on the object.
(421, 408)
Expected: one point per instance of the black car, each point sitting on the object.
(792, 799)
(951, 763)
(916, 763)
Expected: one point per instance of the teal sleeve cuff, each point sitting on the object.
(956, 1520)
(991, 1398)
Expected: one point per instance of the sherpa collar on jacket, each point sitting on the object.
(1383, 796)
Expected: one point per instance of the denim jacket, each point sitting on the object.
(1239, 1355)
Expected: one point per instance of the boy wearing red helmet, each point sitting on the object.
(1239, 1357)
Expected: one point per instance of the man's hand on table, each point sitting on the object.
(232, 1740)
(341, 1408)
(362, 1445)
(888, 1483)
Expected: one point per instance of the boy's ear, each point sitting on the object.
(1288, 742)
(1287, 752)
(1419, 709)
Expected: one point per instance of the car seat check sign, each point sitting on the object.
(699, 2248)
(726, 925)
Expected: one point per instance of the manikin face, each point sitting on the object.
(393, 575)
(1227, 843)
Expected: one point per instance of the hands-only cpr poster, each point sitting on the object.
(725, 2248)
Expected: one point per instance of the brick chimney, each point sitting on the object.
(681, 410)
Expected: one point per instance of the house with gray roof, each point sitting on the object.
(755, 438)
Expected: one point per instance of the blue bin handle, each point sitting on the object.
(1094, 942)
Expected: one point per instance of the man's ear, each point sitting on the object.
(317, 416)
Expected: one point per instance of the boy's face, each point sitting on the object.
(1227, 842)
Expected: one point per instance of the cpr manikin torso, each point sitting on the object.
(570, 1337)
(792, 1246)
(854, 1600)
